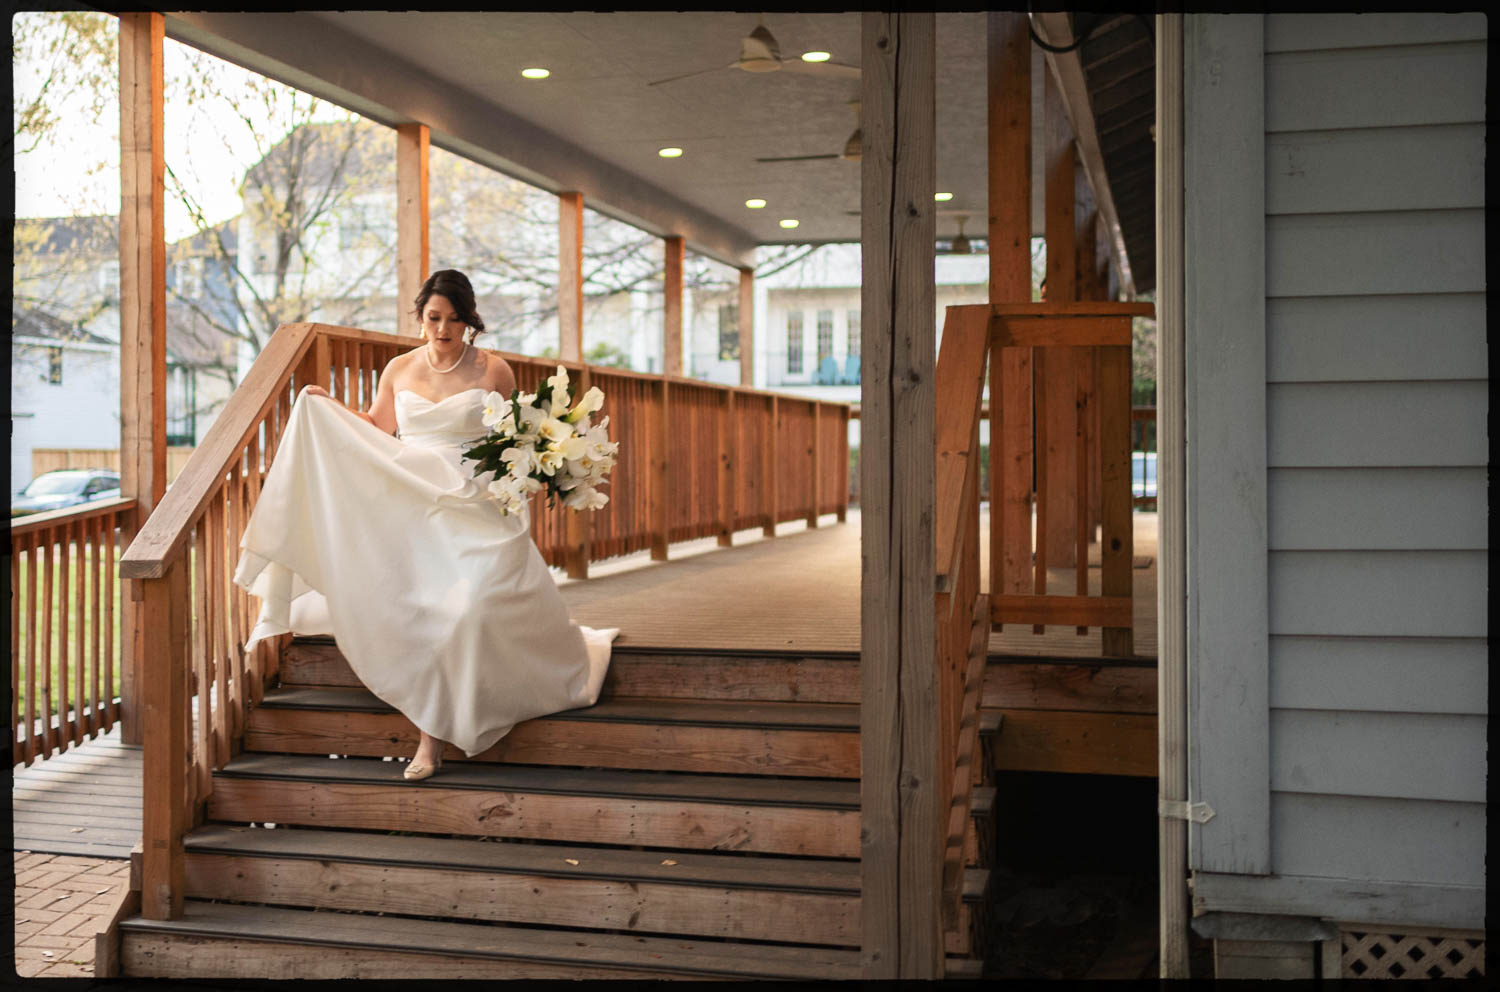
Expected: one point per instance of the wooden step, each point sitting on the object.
(784, 676)
(723, 736)
(226, 940)
(672, 810)
(794, 900)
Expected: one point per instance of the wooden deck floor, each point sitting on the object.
(85, 801)
(799, 592)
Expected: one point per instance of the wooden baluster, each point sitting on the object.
(813, 464)
(33, 565)
(577, 527)
(64, 723)
(1081, 475)
(111, 524)
(843, 469)
(251, 604)
(1039, 396)
(164, 793)
(215, 620)
(661, 473)
(204, 756)
(1113, 390)
(96, 542)
(728, 457)
(80, 630)
(250, 693)
(17, 743)
(768, 469)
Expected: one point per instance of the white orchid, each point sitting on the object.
(550, 461)
(558, 399)
(497, 409)
(555, 430)
(521, 458)
(510, 491)
(572, 448)
(585, 498)
(587, 404)
(529, 418)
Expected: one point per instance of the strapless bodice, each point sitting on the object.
(450, 422)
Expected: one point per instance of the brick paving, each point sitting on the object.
(61, 901)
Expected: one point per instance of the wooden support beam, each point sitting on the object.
(747, 328)
(769, 483)
(143, 316)
(570, 276)
(672, 306)
(412, 245)
(1057, 403)
(164, 755)
(1009, 147)
(902, 814)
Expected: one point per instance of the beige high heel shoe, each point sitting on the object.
(418, 770)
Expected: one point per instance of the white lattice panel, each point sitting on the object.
(1449, 954)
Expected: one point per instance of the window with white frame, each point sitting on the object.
(794, 343)
(825, 335)
(852, 319)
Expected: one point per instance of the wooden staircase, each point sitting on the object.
(702, 820)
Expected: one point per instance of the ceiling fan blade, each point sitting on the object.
(685, 75)
(840, 69)
(795, 158)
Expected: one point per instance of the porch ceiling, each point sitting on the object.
(595, 126)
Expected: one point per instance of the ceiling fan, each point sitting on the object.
(850, 152)
(760, 53)
(960, 245)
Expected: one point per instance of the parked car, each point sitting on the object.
(65, 487)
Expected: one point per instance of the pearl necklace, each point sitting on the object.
(427, 354)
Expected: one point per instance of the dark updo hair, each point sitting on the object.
(453, 286)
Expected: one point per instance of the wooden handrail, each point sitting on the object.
(34, 522)
(162, 536)
(960, 383)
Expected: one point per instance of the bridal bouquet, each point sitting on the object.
(537, 442)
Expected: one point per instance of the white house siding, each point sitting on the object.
(1376, 444)
(83, 411)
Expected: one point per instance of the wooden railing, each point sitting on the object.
(64, 626)
(1142, 439)
(1018, 578)
(963, 613)
(690, 465)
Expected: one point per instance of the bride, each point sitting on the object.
(442, 605)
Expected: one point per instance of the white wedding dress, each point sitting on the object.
(441, 604)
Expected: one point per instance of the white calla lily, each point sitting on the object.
(555, 430)
(587, 404)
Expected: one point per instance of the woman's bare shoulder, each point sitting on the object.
(396, 368)
(497, 371)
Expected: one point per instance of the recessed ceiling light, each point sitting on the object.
(669, 152)
(536, 73)
(816, 56)
(942, 197)
(755, 203)
(789, 223)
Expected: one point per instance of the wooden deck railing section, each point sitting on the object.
(685, 470)
(1018, 578)
(64, 644)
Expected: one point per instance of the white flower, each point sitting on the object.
(573, 448)
(600, 446)
(585, 498)
(496, 409)
(555, 430)
(528, 418)
(550, 460)
(591, 401)
(558, 399)
(521, 459)
(509, 491)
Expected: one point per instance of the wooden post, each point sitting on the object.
(1171, 590)
(661, 474)
(143, 317)
(1114, 483)
(902, 812)
(1009, 138)
(1086, 226)
(578, 525)
(411, 219)
(570, 276)
(728, 459)
(1057, 368)
(768, 471)
(672, 307)
(843, 470)
(747, 328)
(164, 755)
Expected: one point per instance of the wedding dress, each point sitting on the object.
(442, 605)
